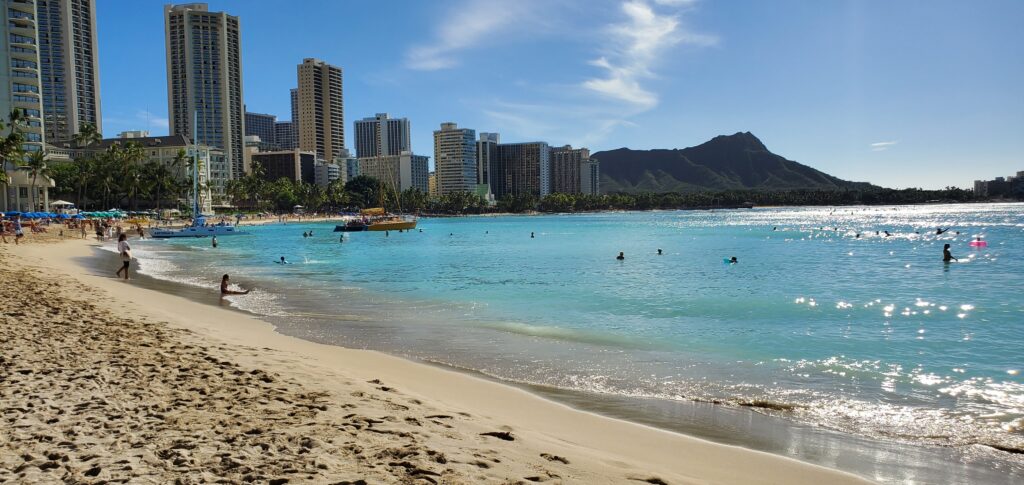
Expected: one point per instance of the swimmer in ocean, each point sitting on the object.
(659, 251)
(947, 256)
(733, 260)
(282, 261)
(621, 256)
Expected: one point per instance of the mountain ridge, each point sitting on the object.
(726, 162)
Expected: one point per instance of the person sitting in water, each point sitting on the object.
(947, 256)
(733, 260)
(224, 288)
(621, 256)
(305, 234)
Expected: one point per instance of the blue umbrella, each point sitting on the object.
(62, 216)
(78, 216)
(12, 213)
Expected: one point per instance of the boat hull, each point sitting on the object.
(392, 226)
(347, 228)
(194, 231)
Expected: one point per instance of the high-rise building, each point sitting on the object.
(284, 135)
(20, 83)
(204, 78)
(69, 67)
(521, 169)
(263, 126)
(321, 108)
(400, 172)
(349, 165)
(297, 165)
(381, 136)
(485, 148)
(455, 159)
(567, 171)
(293, 95)
(327, 172)
(590, 177)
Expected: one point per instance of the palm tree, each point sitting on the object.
(131, 174)
(83, 176)
(163, 181)
(10, 146)
(87, 135)
(36, 164)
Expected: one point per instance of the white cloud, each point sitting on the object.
(636, 46)
(882, 145)
(470, 24)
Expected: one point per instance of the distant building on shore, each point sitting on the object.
(204, 79)
(432, 184)
(327, 172)
(285, 136)
(321, 115)
(296, 165)
(400, 172)
(521, 169)
(573, 171)
(455, 159)
(264, 126)
(1012, 186)
(68, 64)
(381, 136)
(19, 68)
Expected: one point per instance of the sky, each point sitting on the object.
(914, 93)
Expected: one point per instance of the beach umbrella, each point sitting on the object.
(78, 216)
(62, 216)
(12, 213)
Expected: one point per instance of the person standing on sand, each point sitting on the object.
(126, 254)
(18, 232)
(224, 288)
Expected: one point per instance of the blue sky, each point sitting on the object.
(909, 93)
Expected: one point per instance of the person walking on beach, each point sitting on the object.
(224, 288)
(18, 232)
(126, 254)
(947, 256)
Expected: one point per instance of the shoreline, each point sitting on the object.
(594, 445)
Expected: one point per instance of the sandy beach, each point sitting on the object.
(103, 381)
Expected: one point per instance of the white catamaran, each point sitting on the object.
(199, 227)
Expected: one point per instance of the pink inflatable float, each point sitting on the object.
(977, 243)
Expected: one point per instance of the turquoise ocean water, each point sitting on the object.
(871, 335)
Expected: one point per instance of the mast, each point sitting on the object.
(195, 166)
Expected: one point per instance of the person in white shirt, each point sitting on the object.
(126, 254)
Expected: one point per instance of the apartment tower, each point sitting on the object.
(381, 136)
(264, 126)
(321, 109)
(69, 67)
(567, 169)
(204, 77)
(455, 159)
(20, 83)
(485, 149)
(521, 169)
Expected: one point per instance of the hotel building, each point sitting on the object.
(204, 77)
(320, 109)
(455, 159)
